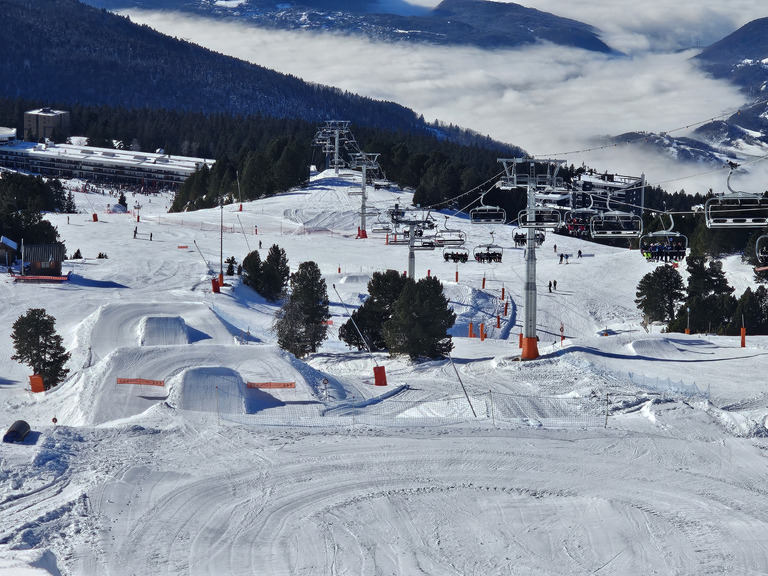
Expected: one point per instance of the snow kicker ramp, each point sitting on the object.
(163, 331)
(187, 378)
(151, 324)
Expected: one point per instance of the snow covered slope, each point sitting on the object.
(206, 475)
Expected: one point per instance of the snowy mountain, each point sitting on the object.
(620, 450)
(453, 22)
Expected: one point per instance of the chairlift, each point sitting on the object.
(380, 226)
(664, 245)
(455, 254)
(539, 217)
(485, 214)
(615, 223)
(761, 249)
(737, 209)
(492, 252)
(578, 219)
(449, 236)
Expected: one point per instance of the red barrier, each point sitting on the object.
(272, 385)
(379, 376)
(36, 382)
(95, 217)
(141, 381)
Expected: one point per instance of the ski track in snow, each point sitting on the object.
(156, 480)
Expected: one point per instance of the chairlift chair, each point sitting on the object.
(761, 249)
(539, 217)
(455, 254)
(449, 236)
(615, 224)
(485, 214)
(737, 209)
(485, 253)
(664, 245)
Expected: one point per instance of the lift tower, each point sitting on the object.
(364, 161)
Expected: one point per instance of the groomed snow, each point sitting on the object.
(205, 475)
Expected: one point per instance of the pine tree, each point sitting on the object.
(384, 289)
(37, 344)
(252, 270)
(420, 321)
(300, 323)
(274, 274)
(659, 292)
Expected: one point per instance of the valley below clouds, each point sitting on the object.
(550, 100)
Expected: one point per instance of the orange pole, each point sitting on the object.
(687, 330)
(471, 335)
(386, 240)
(429, 273)
(521, 340)
(483, 281)
(482, 332)
(743, 337)
(502, 292)
(506, 308)
(457, 275)
(498, 321)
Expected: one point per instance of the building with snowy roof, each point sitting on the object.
(99, 164)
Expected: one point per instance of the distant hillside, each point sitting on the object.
(65, 51)
(454, 22)
(740, 57)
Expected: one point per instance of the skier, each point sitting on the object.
(150, 236)
(550, 286)
(555, 247)
(561, 259)
(579, 256)
(566, 258)
(554, 284)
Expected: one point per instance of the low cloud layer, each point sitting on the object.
(547, 99)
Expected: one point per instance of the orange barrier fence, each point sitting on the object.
(141, 381)
(271, 384)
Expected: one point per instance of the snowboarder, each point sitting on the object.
(550, 286)
(561, 259)
(555, 247)
(554, 284)
(579, 255)
(566, 258)
(150, 236)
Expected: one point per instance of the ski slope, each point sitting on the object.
(206, 475)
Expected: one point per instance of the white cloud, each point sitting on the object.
(546, 99)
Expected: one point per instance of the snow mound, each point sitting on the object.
(163, 331)
(210, 389)
(671, 348)
(355, 279)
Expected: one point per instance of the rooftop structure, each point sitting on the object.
(7, 134)
(99, 164)
(42, 123)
